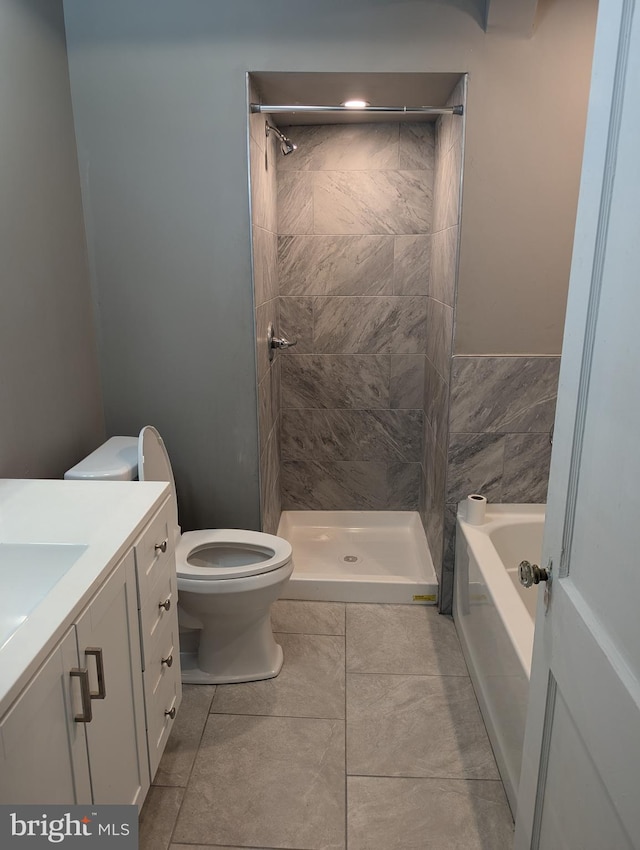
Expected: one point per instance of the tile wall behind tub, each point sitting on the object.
(440, 321)
(502, 410)
(354, 223)
(263, 157)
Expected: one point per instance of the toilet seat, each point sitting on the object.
(213, 554)
(224, 553)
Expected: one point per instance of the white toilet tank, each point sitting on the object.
(115, 460)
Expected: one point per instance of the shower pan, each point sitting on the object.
(359, 556)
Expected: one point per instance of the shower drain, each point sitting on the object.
(351, 559)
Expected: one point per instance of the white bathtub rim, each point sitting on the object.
(513, 612)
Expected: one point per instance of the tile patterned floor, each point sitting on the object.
(369, 739)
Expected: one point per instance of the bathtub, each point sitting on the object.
(494, 617)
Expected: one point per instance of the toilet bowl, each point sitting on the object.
(227, 581)
(227, 578)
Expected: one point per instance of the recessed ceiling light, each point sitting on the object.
(356, 104)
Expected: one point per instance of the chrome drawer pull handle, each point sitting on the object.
(171, 713)
(96, 651)
(166, 604)
(161, 547)
(83, 674)
(168, 660)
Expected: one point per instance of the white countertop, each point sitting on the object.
(58, 541)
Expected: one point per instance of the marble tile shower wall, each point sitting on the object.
(263, 157)
(354, 222)
(440, 321)
(502, 410)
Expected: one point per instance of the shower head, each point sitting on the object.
(286, 145)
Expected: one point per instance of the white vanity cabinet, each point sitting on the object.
(91, 723)
(49, 756)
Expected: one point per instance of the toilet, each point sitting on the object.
(227, 578)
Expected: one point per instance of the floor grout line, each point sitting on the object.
(417, 776)
(346, 790)
(423, 675)
(310, 634)
(274, 716)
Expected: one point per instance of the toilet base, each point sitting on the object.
(193, 675)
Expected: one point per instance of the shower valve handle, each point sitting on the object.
(281, 342)
(276, 342)
(531, 574)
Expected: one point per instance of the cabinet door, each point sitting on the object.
(43, 751)
(109, 645)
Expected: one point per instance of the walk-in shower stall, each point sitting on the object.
(355, 246)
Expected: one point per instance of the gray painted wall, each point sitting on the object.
(49, 387)
(159, 101)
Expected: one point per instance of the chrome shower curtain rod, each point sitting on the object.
(271, 109)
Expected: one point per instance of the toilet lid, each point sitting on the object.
(154, 464)
(222, 553)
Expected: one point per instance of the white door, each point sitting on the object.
(580, 783)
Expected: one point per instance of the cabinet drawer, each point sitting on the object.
(151, 561)
(161, 723)
(164, 645)
(159, 608)
(163, 690)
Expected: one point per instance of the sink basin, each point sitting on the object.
(28, 571)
